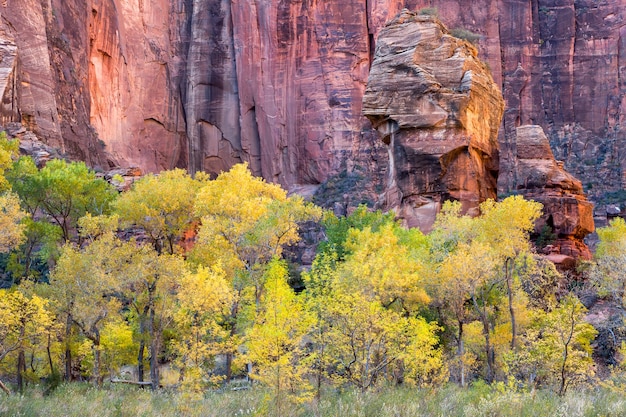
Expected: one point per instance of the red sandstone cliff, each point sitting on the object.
(207, 83)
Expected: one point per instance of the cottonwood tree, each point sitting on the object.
(505, 227)
(84, 283)
(202, 303)
(275, 343)
(11, 217)
(9, 151)
(376, 263)
(556, 348)
(609, 271)
(246, 222)
(365, 327)
(477, 258)
(22, 319)
(162, 205)
(466, 287)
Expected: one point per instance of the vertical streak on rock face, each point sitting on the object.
(35, 81)
(8, 55)
(212, 100)
(302, 68)
(134, 106)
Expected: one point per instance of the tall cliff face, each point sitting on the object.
(207, 83)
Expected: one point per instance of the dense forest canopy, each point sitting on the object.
(97, 281)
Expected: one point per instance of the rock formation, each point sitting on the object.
(206, 83)
(566, 211)
(439, 111)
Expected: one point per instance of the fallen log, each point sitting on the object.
(125, 381)
(5, 388)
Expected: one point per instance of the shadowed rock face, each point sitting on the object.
(439, 110)
(540, 177)
(206, 83)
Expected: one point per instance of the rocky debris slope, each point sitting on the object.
(437, 107)
(566, 211)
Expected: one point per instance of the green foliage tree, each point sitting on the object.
(609, 271)
(63, 191)
(40, 249)
(557, 346)
(337, 228)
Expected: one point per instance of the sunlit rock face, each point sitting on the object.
(203, 84)
(439, 110)
(538, 176)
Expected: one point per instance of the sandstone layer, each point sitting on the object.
(566, 211)
(439, 111)
(206, 83)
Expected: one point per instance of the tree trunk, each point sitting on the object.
(68, 350)
(508, 271)
(488, 349)
(50, 354)
(142, 343)
(140, 367)
(96, 365)
(96, 360)
(460, 352)
(154, 351)
(4, 388)
(21, 368)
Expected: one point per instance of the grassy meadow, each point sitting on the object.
(79, 400)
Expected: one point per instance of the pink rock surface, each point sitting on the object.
(204, 84)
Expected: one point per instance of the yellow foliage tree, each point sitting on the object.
(505, 227)
(245, 223)
(22, 320)
(11, 217)
(203, 301)
(379, 265)
(275, 344)
(9, 151)
(162, 205)
(83, 285)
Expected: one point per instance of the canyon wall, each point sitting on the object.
(204, 84)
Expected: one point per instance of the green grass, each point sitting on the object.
(481, 400)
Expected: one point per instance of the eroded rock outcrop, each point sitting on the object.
(439, 111)
(566, 211)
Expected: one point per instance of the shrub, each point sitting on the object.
(466, 35)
